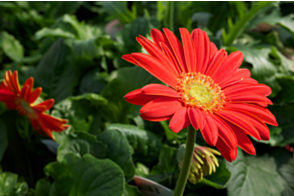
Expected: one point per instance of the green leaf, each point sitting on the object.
(118, 10)
(65, 7)
(131, 191)
(140, 26)
(81, 29)
(81, 143)
(7, 182)
(10, 186)
(145, 144)
(273, 18)
(42, 188)
(167, 164)
(92, 82)
(122, 82)
(253, 176)
(46, 32)
(239, 27)
(170, 135)
(84, 52)
(11, 46)
(287, 23)
(79, 110)
(220, 178)
(285, 163)
(3, 139)
(287, 135)
(283, 114)
(85, 176)
(286, 95)
(142, 170)
(54, 73)
(286, 65)
(118, 150)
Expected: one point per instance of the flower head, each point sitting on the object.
(23, 100)
(206, 88)
(204, 162)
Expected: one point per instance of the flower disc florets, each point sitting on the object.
(200, 91)
(24, 108)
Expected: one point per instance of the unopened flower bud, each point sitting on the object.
(204, 162)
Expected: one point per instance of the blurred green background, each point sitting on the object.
(73, 50)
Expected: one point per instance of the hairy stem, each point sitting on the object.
(182, 180)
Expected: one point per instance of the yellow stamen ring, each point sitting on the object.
(200, 91)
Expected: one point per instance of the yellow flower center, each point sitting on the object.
(25, 108)
(200, 91)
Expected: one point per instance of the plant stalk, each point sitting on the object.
(182, 180)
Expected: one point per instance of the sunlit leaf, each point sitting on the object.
(85, 176)
(11, 46)
(253, 176)
(118, 150)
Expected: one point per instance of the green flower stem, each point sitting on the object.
(182, 180)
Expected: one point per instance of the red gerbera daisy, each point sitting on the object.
(23, 99)
(206, 89)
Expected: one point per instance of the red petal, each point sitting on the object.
(177, 48)
(260, 89)
(225, 132)
(202, 47)
(39, 108)
(172, 58)
(8, 80)
(24, 92)
(156, 119)
(215, 63)
(239, 75)
(231, 64)
(180, 120)
(129, 58)
(160, 107)
(159, 89)
(154, 51)
(30, 83)
(159, 37)
(11, 105)
(138, 98)
(4, 86)
(15, 82)
(209, 132)
(6, 95)
(257, 123)
(45, 105)
(53, 120)
(261, 113)
(53, 127)
(243, 141)
(239, 120)
(212, 51)
(248, 98)
(229, 154)
(33, 96)
(189, 50)
(154, 67)
(46, 130)
(196, 118)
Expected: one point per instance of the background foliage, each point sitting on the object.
(74, 49)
